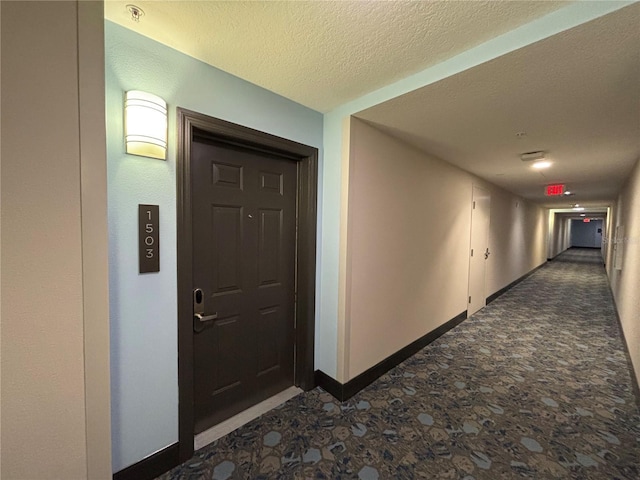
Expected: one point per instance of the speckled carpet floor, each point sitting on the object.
(535, 385)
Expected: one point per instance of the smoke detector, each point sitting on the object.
(136, 12)
(531, 156)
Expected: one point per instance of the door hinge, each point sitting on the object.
(469, 299)
(474, 205)
(472, 252)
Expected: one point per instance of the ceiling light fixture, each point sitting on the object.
(531, 156)
(145, 122)
(541, 165)
(567, 192)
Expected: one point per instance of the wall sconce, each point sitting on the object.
(145, 125)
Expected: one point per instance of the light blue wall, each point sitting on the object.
(144, 374)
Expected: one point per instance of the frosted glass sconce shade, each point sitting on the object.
(145, 124)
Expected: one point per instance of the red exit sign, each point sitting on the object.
(553, 190)
(586, 220)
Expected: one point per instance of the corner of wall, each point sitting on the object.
(95, 270)
(344, 267)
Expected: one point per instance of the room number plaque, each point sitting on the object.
(149, 238)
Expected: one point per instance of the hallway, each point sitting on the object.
(535, 385)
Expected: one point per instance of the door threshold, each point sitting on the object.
(224, 428)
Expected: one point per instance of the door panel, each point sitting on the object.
(269, 332)
(226, 245)
(269, 247)
(243, 221)
(225, 341)
(479, 254)
(227, 175)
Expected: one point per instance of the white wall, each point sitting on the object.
(408, 241)
(55, 377)
(625, 283)
(144, 307)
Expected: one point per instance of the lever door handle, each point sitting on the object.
(205, 318)
(486, 254)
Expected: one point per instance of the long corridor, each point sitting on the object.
(535, 385)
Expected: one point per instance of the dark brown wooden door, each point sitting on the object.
(244, 237)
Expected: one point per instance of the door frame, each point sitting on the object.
(305, 283)
(474, 225)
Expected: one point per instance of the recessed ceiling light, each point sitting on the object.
(583, 214)
(567, 192)
(541, 165)
(579, 209)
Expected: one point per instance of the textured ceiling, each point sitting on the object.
(576, 95)
(324, 53)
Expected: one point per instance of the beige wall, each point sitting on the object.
(560, 234)
(408, 240)
(95, 271)
(55, 421)
(517, 239)
(608, 238)
(625, 283)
